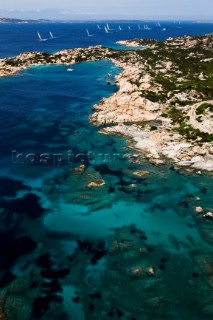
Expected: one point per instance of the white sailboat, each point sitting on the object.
(98, 27)
(51, 36)
(129, 28)
(139, 27)
(120, 28)
(40, 37)
(106, 30)
(158, 24)
(146, 27)
(89, 35)
(109, 29)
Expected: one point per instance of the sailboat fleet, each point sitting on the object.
(106, 28)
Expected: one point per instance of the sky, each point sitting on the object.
(109, 9)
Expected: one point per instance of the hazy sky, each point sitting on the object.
(93, 9)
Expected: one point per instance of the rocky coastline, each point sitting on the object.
(129, 43)
(164, 118)
(132, 115)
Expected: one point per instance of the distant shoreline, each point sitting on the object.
(4, 20)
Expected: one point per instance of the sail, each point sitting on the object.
(39, 36)
(89, 35)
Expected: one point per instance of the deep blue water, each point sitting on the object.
(17, 38)
(71, 252)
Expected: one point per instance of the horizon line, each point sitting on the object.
(113, 19)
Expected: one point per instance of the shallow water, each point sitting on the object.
(75, 252)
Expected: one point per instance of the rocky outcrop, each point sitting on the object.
(127, 105)
(129, 43)
(161, 144)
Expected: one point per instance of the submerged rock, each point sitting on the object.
(95, 184)
(151, 272)
(140, 173)
(198, 209)
(81, 185)
(208, 215)
(80, 169)
(15, 301)
(136, 272)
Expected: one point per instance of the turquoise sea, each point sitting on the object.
(132, 249)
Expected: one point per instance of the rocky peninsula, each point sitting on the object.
(164, 104)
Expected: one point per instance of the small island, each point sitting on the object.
(164, 104)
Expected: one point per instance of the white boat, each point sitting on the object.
(40, 37)
(106, 30)
(129, 28)
(51, 36)
(164, 29)
(120, 28)
(158, 24)
(70, 69)
(139, 27)
(146, 27)
(98, 27)
(109, 29)
(89, 35)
